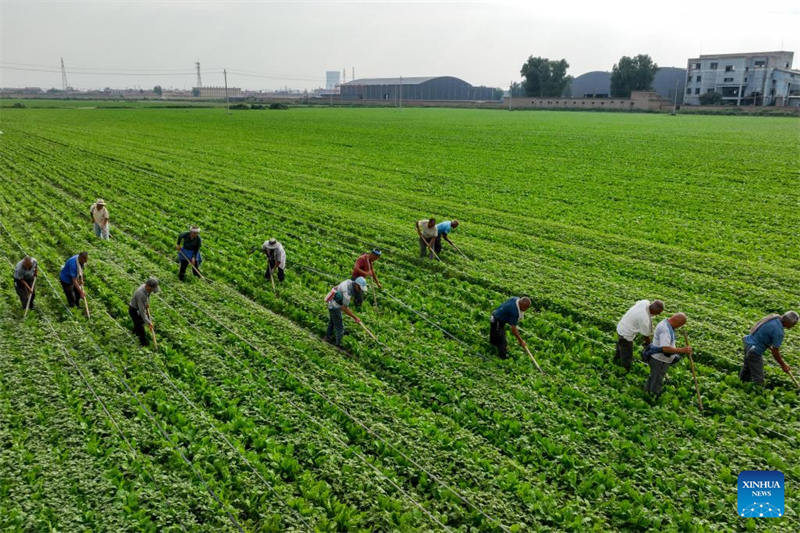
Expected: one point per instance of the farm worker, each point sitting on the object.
(139, 309)
(443, 230)
(99, 215)
(72, 278)
(24, 273)
(767, 333)
(365, 267)
(510, 312)
(190, 251)
(427, 231)
(637, 321)
(338, 300)
(276, 257)
(664, 352)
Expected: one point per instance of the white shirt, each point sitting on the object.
(343, 288)
(280, 253)
(426, 231)
(637, 321)
(100, 214)
(664, 337)
(521, 313)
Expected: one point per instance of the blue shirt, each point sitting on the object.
(445, 227)
(769, 334)
(508, 313)
(70, 270)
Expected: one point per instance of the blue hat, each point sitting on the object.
(376, 252)
(362, 283)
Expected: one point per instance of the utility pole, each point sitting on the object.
(675, 102)
(225, 73)
(199, 81)
(344, 76)
(353, 77)
(64, 84)
(401, 93)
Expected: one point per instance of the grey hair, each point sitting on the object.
(790, 318)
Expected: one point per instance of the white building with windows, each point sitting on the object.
(759, 78)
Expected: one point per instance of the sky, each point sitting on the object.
(269, 45)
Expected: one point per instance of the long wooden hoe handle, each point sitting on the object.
(193, 267)
(534, 360)
(86, 304)
(30, 298)
(459, 250)
(369, 332)
(430, 247)
(272, 277)
(794, 379)
(152, 329)
(694, 373)
(375, 290)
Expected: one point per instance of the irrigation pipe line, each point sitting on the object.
(422, 316)
(324, 229)
(566, 330)
(144, 408)
(58, 340)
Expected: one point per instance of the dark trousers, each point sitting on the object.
(752, 367)
(335, 325)
(184, 266)
(138, 326)
(437, 246)
(624, 353)
(497, 337)
(270, 267)
(73, 296)
(655, 381)
(423, 247)
(23, 293)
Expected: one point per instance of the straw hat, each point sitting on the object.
(100, 202)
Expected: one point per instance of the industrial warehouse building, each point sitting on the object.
(416, 89)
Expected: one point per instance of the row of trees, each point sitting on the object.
(543, 77)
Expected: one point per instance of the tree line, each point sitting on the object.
(543, 77)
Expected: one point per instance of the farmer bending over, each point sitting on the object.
(663, 352)
(338, 300)
(767, 333)
(189, 252)
(637, 321)
(510, 312)
(24, 273)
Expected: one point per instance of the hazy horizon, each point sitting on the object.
(270, 45)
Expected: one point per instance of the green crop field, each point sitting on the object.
(245, 420)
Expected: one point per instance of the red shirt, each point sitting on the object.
(362, 263)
